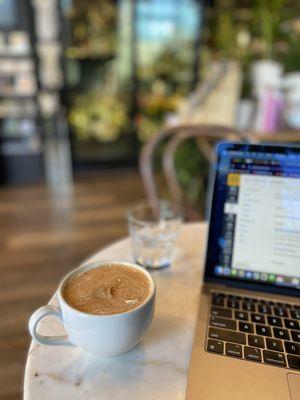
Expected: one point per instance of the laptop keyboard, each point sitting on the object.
(255, 329)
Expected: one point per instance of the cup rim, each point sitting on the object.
(95, 264)
(148, 203)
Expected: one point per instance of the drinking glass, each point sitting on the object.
(154, 229)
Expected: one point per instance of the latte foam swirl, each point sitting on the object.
(108, 289)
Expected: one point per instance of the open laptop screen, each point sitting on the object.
(254, 233)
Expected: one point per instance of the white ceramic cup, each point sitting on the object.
(100, 335)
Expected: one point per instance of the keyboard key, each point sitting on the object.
(223, 323)
(233, 350)
(274, 358)
(256, 341)
(270, 303)
(295, 314)
(248, 299)
(283, 305)
(234, 297)
(274, 321)
(295, 336)
(291, 324)
(281, 333)
(263, 330)
(219, 294)
(274, 344)
(292, 348)
(233, 304)
(221, 312)
(248, 306)
(294, 361)
(241, 315)
(215, 346)
(258, 318)
(296, 307)
(281, 312)
(218, 301)
(263, 309)
(246, 327)
(228, 336)
(251, 353)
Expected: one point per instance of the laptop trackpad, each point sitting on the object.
(294, 386)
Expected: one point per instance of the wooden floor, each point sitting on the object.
(42, 236)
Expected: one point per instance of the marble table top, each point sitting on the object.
(157, 368)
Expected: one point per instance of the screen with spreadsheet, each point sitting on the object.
(255, 222)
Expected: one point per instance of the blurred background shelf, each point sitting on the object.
(105, 74)
(118, 63)
(99, 78)
(20, 131)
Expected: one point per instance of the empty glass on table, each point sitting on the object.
(154, 229)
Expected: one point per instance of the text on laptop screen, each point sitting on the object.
(257, 221)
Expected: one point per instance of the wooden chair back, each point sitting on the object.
(204, 134)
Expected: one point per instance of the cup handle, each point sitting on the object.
(37, 316)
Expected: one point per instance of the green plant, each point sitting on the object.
(250, 30)
(99, 114)
(163, 85)
(93, 28)
(192, 172)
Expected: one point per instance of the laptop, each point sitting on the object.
(247, 337)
